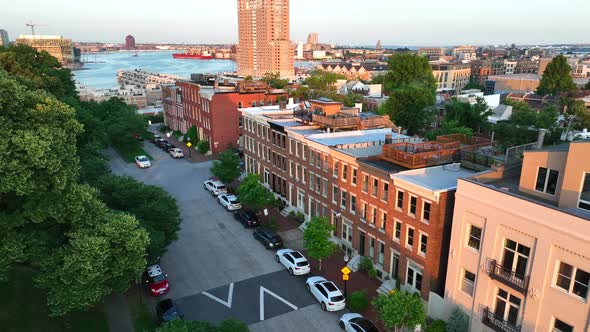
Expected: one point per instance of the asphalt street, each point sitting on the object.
(214, 252)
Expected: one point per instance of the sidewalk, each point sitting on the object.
(195, 156)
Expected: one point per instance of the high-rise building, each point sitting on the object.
(55, 45)
(264, 45)
(4, 41)
(130, 42)
(299, 51)
(379, 47)
(312, 38)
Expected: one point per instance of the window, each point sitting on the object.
(507, 307)
(426, 212)
(365, 183)
(343, 199)
(375, 187)
(383, 221)
(474, 239)
(414, 277)
(381, 254)
(311, 157)
(515, 258)
(468, 282)
(318, 163)
(334, 194)
(573, 280)
(410, 237)
(385, 194)
(352, 203)
(371, 247)
(363, 211)
(413, 204)
(585, 194)
(318, 184)
(397, 232)
(325, 162)
(325, 187)
(311, 180)
(423, 243)
(400, 200)
(547, 180)
(559, 326)
(374, 216)
(344, 172)
(354, 176)
(335, 169)
(347, 233)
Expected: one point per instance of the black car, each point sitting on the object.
(166, 311)
(167, 147)
(269, 238)
(161, 143)
(156, 139)
(247, 218)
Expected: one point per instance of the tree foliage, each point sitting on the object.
(409, 70)
(253, 193)
(275, 81)
(321, 80)
(179, 325)
(467, 115)
(458, 321)
(400, 309)
(316, 239)
(407, 108)
(576, 113)
(227, 166)
(203, 147)
(556, 77)
(587, 86)
(449, 127)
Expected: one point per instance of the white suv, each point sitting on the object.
(176, 153)
(329, 296)
(294, 261)
(229, 202)
(215, 187)
(142, 162)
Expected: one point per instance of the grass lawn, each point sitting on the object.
(23, 308)
(139, 307)
(129, 154)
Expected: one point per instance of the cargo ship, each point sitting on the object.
(200, 55)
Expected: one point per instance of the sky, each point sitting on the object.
(349, 22)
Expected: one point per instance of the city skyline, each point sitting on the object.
(394, 23)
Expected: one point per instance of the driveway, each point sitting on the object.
(214, 252)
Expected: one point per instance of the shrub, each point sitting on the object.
(458, 322)
(203, 147)
(164, 129)
(358, 301)
(437, 326)
(372, 273)
(365, 265)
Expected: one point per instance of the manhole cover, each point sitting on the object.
(221, 225)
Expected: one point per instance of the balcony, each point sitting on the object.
(508, 278)
(497, 323)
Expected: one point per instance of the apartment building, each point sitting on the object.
(520, 246)
(4, 41)
(431, 51)
(371, 182)
(458, 50)
(57, 46)
(172, 108)
(482, 69)
(451, 77)
(355, 71)
(212, 107)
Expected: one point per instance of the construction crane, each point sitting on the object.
(32, 26)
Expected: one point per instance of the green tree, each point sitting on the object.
(156, 210)
(407, 108)
(576, 113)
(275, 81)
(556, 77)
(227, 166)
(179, 325)
(316, 239)
(400, 309)
(192, 134)
(449, 127)
(458, 322)
(323, 81)
(474, 85)
(466, 115)
(254, 194)
(587, 87)
(410, 70)
(232, 325)
(203, 147)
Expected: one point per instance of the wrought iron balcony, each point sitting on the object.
(497, 323)
(507, 277)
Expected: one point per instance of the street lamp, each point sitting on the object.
(189, 145)
(346, 259)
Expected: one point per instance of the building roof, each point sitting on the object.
(351, 137)
(524, 77)
(438, 178)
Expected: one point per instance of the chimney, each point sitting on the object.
(388, 139)
(541, 139)
(283, 105)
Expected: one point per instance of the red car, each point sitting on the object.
(156, 280)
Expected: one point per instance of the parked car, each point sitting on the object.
(269, 238)
(294, 261)
(176, 153)
(156, 138)
(167, 147)
(156, 280)
(166, 311)
(229, 202)
(215, 187)
(353, 322)
(327, 294)
(247, 218)
(161, 143)
(142, 162)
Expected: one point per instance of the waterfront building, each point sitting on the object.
(520, 245)
(450, 77)
(264, 45)
(363, 72)
(431, 51)
(354, 168)
(172, 107)
(130, 42)
(57, 46)
(142, 78)
(4, 41)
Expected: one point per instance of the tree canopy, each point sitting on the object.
(316, 239)
(467, 115)
(556, 77)
(227, 166)
(587, 86)
(409, 70)
(253, 193)
(449, 127)
(179, 325)
(275, 81)
(400, 309)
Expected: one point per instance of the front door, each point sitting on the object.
(362, 243)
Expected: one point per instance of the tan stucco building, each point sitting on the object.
(57, 46)
(264, 45)
(520, 245)
(451, 77)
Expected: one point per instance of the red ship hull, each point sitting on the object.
(192, 56)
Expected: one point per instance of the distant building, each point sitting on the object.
(300, 50)
(526, 66)
(451, 77)
(512, 83)
(364, 72)
(379, 47)
(264, 45)
(4, 41)
(543, 62)
(456, 51)
(130, 42)
(431, 51)
(312, 38)
(510, 67)
(57, 46)
(482, 69)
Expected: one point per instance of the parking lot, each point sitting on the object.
(214, 251)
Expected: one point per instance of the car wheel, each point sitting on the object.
(277, 258)
(307, 287)
(290, 271)
(341, 323)
(323, 305)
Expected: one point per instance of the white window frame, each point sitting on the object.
(468, 237)
(580, 200)
(397, 198)
(546, 182)
(353, 198)
(343, 199)
(420, 252)
(335, 197)
(572, 277)
(395, 223)
(335, 168)
(353, 177)
(383, 221)
(413, 215)
(407, 244)
(417, 270)
(424, 202)
(465, 281)
(344, 175)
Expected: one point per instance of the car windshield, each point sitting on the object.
(159, 278)
(302, 263)
(143, 159)
(365, 324)
(337, 298)
(330, 287)
(221, 187)
(276, 238)
(233, 200)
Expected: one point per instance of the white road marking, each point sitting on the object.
(264, 290)
(230, 296)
